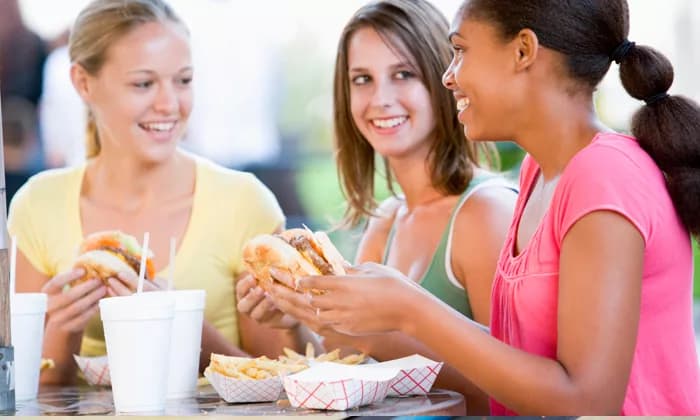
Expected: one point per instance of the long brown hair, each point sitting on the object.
(97, 27)
(592, 34)
(421, 31)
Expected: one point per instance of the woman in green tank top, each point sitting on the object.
(446, 229)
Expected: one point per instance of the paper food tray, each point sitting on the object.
(94, 369)
(234, 390)
(416, 376)
(333, 386)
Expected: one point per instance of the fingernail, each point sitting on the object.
(79, 271)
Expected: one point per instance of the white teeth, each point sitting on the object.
(390, 123)
(158, 126)
(463, 104)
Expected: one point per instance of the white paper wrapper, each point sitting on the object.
(244, 390)
(416, 377)
(333, 386)
(95, 369)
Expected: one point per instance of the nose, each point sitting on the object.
(383, 94)
(166, 101)
(448, 77)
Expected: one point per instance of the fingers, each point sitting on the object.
(322, 282)
(244, 285)
(78, 323)
(75, 316)
(57, 283)
(58, 300)
(265, 310)
(250, 301)
(118, 288)
(283, 277)
(131, 281)
(294, 304)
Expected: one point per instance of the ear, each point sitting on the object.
(527, 46)
(81, 81)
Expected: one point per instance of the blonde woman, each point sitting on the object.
(131, 64)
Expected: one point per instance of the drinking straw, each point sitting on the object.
(142, 268)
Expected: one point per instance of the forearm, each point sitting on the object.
(526, 383)
(396, 345)
(214, 342)
(60, 346)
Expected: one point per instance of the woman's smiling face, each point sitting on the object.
(390, 105)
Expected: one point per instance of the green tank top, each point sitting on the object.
(438, 279)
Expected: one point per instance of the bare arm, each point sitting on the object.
(67, 314)
(479, 233)
(396, 345)
(600, 272)
(599, 300)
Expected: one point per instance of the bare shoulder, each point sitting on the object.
(481, 226)
(373, 242)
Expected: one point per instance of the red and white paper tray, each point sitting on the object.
(416, 377)
(95, 369)
(244, 390)
(334, 386)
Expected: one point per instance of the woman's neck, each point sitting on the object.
(560, 127)
(122, 182)
(413, 176)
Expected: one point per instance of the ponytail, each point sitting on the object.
(667, 127)
(92, 139)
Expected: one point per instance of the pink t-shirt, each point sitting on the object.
(612, 173)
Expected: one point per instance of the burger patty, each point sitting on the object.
(128, 258)
(303, 245)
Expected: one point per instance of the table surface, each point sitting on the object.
(66, 401)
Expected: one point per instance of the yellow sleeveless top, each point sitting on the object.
(229, 207)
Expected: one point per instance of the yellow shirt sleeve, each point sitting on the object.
(22, 224)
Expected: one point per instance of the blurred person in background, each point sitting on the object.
(22, 56)
(131, 65)
(592, 300)
(445, 230)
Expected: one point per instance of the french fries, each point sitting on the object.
(261, 368)
(47, 364)
(290, 356)
(248, 368)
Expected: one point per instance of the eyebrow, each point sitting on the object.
(403, 64)
(454, 34)
(184, 69)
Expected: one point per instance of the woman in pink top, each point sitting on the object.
(591, 304)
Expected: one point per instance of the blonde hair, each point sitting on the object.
(101, 24)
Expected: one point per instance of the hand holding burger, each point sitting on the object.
(298, 252)
(105, 254)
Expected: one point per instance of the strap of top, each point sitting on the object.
(491, 181)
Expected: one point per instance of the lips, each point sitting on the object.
(462, 104)
(389, 122)
(159, 127)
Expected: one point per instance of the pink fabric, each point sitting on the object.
(612, 173)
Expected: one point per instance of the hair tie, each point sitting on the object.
(621, 51)
(651, 100)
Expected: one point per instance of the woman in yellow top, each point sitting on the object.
(132, 67)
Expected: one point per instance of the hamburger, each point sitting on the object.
(104, 254)
(300, 252)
